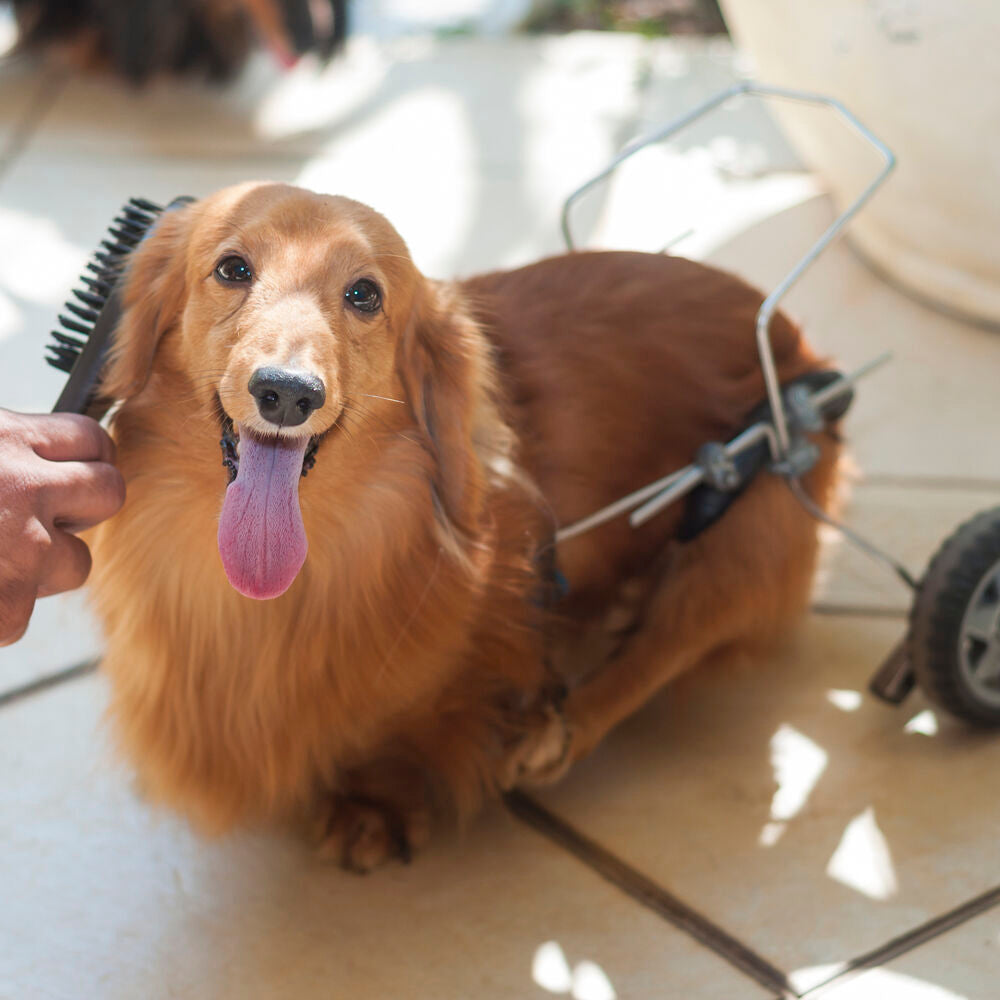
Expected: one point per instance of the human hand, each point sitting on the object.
(57, 477)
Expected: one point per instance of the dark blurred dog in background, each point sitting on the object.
(143, 39)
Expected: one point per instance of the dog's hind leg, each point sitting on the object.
(739, 582)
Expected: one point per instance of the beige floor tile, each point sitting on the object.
(930, 411)
(505, 92)
(909, 522)
(103, 899)
(963, 964)
(807, 819)
(62, 634)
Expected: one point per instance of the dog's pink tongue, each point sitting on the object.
(261, 537)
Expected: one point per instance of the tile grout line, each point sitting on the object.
(929, 482)
(859, 610)
(649, 894)
(48, 681)
(910, 940)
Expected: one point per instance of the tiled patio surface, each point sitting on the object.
(764, 829)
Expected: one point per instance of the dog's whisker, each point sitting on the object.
(203, 415)
(198, 396)
(388, 399)
(360, 408)
(347, 432)
(372, 423)
(342, 426)
(202, 386)
(356, 409)
(202, 381)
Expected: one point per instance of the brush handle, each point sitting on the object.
(79, 394)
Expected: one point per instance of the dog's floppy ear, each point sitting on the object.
(445, 370)
(153, 293)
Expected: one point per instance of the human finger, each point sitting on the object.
(69, 437)
(78, 495)
(67, 564)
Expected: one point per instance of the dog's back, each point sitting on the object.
(616, 368)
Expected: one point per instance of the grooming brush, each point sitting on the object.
(81, 346)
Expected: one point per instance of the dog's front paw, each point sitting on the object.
(542, 756)
(361, 835)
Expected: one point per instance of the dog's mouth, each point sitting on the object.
(262, 540)
(230, 444)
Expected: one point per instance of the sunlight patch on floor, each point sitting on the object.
(809, 977)
(863, 861)
(884, 984)
(798, 764)
(643, 213)
(845, 700)
(310, 98)
(46, 264)
(924, 722)
(551, 970)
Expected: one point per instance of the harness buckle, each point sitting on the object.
(720, 470)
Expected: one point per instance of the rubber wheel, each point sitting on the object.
(954, 638)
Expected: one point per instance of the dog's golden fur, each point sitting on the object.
(410, 664)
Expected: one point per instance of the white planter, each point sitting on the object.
(925, 76)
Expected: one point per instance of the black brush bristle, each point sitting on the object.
(87, 315)
(90, 299)
(74, 326)
(78, 348)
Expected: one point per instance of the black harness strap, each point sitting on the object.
(706, 504)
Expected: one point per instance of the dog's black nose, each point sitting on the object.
(284, 397)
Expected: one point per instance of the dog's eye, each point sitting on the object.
(364, 295)
(233, 269)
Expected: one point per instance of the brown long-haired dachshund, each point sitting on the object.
(382, 638)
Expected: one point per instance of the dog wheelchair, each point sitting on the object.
(951, 648)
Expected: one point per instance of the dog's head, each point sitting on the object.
(284, 314)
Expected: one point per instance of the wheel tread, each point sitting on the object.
(937, 612)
